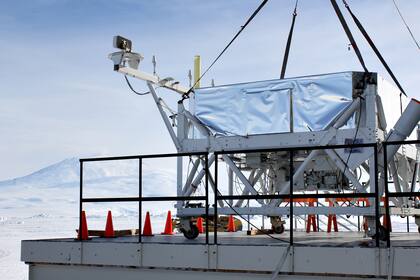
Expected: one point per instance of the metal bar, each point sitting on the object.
(140, 196)
(282, 211)
(143, 156)
(361, 145)
(388, 239)
(377, 199)
(403, 194)
(215, 199)
(291, 196)
(206, 162)
(110, 158)
(404, 142)
(241, 176)
(165, 117)
(150, 198)
(81, 201)
(298, 148)
(152, 79)
(296, 196)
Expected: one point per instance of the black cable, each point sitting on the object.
(289, 42)
(406, 25)
(132, 89)
(348, 33)
(374, 48)
(251, 224)
(228, 45)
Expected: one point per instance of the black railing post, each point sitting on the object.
(291, 196)
(206, 162)
(377, 198)
(81, 201)
(140, 195)
(215, 219)
(387, 217)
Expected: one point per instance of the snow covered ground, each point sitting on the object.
(44, 204)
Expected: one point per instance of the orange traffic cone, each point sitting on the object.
(231, 224)
(332, 220)
(311, 220)
(200, 225)
(147, 229)
(168, 226)
(84, 229)
(386, 220)
(109, 228)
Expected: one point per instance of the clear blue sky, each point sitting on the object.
(60, 98)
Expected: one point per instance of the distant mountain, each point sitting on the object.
(55, 188)
(67, 172)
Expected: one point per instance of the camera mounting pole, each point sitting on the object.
(127, 62)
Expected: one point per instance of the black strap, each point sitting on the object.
(374, 48)
(348, 33)
(228, 45)
(289, 41)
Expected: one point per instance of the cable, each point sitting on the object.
(251, 224)
(374, 48)
(348, 33)
(132, 89)
(406, 25)
(227, 46)
(289, 42)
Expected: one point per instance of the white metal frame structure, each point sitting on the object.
(265, 173)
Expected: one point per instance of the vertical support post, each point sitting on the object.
(230, 184)
(291, 125)
(215, 198)
(81, 201)
(140, 195)
(179, 182)
(197, 71)
(387, 217)
(377, 198)
(206, 162)
(317, 216)
(291, 171)
(181, 133)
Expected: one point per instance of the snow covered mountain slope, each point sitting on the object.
(54, 190)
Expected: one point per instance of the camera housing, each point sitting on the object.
(122, 43)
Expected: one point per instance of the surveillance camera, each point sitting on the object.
(122, 43)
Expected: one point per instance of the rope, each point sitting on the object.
(348, 33)
(406, 25)
(289, 41)
(227, 46)
(372, 45)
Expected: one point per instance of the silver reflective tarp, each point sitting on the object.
(267, 106)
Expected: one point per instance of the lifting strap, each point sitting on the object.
(348, 33)
(374, 48)
(289, 41)
(186, 95)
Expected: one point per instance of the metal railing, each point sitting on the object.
(140, 198)
(291, 196)
(218, 196)
(395, 194)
